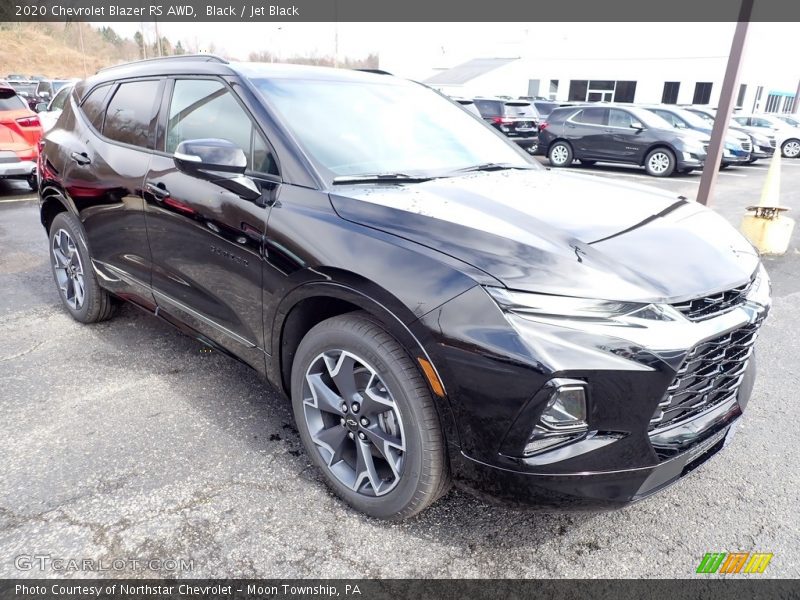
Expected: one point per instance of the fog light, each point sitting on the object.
(563, 419)
(566, 408)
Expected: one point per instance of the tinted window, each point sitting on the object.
(10, 101)
(93, 104)
(578, 89)
(203, 108)
(625, 91)
(619, 118)
(545, 108)
(131, 113)
(60, 99)
(489, 108)
(591, 116)
(670, 93)
(520, 110)
(702, 93)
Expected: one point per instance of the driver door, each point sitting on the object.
(206, 241)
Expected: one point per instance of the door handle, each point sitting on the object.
(80, 158)
(157, 189)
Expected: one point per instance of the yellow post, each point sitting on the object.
(766, 228)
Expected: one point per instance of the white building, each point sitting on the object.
(678, 63)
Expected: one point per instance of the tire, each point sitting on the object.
(790, 148)
(70, 263)
(660, 162)
(723, 166)
(560, 154)
(588, 163)
(686, 171)
(408, 429)
(33, 182)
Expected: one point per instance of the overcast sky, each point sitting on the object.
(772, 47)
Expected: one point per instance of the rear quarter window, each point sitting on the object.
(93, 103)
(520, 110)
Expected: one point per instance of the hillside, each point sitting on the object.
(54, 49)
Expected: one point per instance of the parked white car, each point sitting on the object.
(49, 112)
(788, 135)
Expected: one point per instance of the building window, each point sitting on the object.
(625, 91)
(553, 89)
(702, 92)
(601, 90)
(670, 93)
(759, 93)
(578, 89)
(740, 98)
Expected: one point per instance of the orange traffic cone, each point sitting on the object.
(764, 225)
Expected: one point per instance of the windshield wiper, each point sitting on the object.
(492, 167)
(380, 178)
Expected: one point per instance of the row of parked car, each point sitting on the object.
(24, 118)
(664, 139)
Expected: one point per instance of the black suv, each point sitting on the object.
(516, 119)
(621, 134)
(437, 307)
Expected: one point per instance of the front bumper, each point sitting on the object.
(628, 452)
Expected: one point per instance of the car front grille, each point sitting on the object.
(747, 146)
(710, 374)
(710, 306)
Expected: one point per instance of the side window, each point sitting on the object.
(132, 113)
(92, 105)
(741, 120)
(204, 108)
(619, 118)
(592, 116)
(60, 98)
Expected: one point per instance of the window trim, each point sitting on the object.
(571, 118)
(163, 118)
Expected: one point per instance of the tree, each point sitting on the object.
(137, 37)
(179, 48)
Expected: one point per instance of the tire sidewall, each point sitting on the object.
(569, 154)
(669, 171)
(316, 342)
(71, 225)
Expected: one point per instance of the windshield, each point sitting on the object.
(790, 120)
(358, 128)
(650, 119)
(10, 101)
(545, 108)
(23, 88)
(693, 119)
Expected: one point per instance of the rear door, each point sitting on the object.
(102, 155)
(207, 242)
(586, 130)
(521, 119)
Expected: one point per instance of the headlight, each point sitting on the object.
(694, 147)
(545, 305)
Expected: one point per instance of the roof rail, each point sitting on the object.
(204, 57)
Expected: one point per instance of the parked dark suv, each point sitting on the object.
(437, 307)
(622, 134)
(516, 119)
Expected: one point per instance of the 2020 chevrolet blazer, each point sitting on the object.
(438, 307)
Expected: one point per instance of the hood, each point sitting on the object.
(562, 233)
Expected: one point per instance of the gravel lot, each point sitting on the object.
(128, 440)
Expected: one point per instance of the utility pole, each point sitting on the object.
(708, 180)
(83, 51)
(158, 39)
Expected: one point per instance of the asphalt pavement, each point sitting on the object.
(126, 440)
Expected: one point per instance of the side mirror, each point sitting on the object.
(45, 95)
(637, 125)
(218, 161)
(40, 107)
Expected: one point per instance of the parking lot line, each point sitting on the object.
(732, 174)
(10, 200)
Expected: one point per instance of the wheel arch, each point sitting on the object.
(311, 303)
(52, 202)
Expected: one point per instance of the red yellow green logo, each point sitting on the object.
(734, 562)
